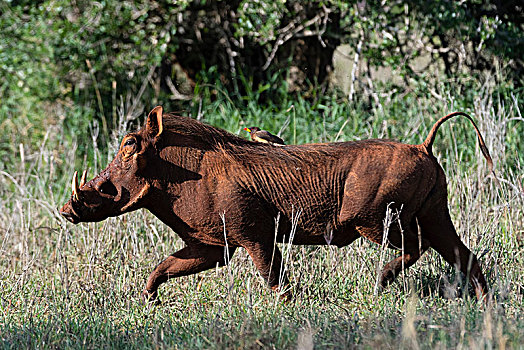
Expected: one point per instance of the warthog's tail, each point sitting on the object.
(431, 137)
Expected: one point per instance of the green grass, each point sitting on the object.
(66, 286)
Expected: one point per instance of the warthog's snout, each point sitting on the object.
(69, 216)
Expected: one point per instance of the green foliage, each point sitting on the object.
(259, 20)
(464, 36)
(68, 51)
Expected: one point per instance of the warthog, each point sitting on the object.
(198, 179)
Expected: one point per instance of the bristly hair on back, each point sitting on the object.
(207, 133)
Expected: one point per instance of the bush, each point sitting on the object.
(68, 52)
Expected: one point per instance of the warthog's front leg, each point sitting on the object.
(187, 261)
(268, 260)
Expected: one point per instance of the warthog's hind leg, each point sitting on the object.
(412, 247)
(395, 266)
(187, 261)
(439, 230)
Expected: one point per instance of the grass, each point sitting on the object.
(65, 286)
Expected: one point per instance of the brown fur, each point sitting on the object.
(190, 175)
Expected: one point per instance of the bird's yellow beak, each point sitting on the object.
(247, 129)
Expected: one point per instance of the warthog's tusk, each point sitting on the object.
(83, 178)
(74, 185)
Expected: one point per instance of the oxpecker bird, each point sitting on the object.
(264, 136)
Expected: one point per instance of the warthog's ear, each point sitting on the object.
(154, 122)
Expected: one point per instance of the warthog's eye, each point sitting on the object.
(130, 142)
(129, 146)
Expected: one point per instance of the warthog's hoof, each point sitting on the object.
(150, 297)
(284, 293)
(387, 277)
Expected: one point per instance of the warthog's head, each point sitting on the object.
(122, 186)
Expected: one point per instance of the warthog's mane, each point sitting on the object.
(198, 130)
(240, 149)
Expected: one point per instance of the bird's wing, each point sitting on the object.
(267, 137)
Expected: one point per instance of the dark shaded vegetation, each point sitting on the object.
(68, 51)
